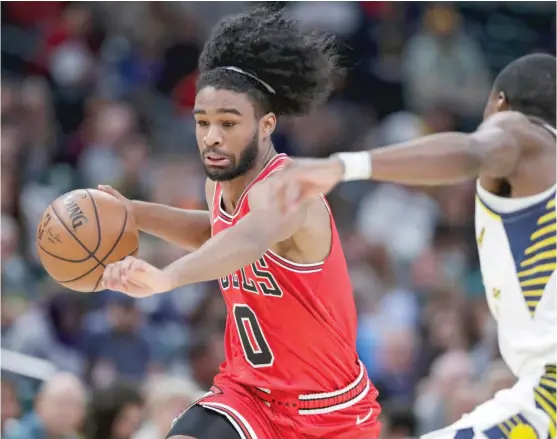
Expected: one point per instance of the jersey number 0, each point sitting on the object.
(256, 349)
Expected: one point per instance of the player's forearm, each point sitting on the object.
(439, 159)
(225, 253)
(186, 228)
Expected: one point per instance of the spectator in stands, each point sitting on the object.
(205, 356)
(10, 407)
(449, 372)
(397, 379)
(114, 412)
(52, 333)
(59, 411)
(166, 397)
(120, 348)
(443, 65)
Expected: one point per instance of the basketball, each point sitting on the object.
(82, 232)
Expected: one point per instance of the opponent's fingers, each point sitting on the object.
(292, 195)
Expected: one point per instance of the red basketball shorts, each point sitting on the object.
(348, 413)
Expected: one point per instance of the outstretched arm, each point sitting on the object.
(447, 158)
(439, 159)
(240, 245)
(221, 255)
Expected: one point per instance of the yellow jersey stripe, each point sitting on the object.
(549, 383)
(533, 293)
(538, 281)
(547, 396)
(548, 408)
(547, 217)
(539, 257)
(544, 243)
(543, 231)
(532, 304)
(550, 203)
(487, 210)
(537, 269)
(504, 429)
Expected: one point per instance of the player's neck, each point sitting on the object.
(233, 190)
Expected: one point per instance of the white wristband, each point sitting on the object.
(357, 165)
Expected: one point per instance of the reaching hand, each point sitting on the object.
(306, 178)
(136, 278)
(125, 201)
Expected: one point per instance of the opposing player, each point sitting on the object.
(512, 156)
(291, 369)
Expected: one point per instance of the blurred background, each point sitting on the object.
(101, 92)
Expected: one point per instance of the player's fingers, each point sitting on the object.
(109, 277)
(125, 267)
(110, 190)
(136, 272)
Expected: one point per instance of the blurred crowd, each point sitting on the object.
(101, 92)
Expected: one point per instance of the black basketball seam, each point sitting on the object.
(73, 261)
(91, 255)
(109, 252)
(99, 233)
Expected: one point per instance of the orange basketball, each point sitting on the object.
(82, 232)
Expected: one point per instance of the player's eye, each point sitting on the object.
(202, 123)
(228, 124)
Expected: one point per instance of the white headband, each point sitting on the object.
(263, 83)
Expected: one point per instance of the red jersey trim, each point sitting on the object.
(243, 196)
(321, 403)
(293, 266)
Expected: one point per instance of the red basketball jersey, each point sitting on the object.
(290, 327)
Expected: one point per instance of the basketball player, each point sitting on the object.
(291, 369)
(512, 156)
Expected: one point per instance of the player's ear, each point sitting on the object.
(502, 103)
(267, 124)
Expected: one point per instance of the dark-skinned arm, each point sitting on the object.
(442, 159)
(450, 158)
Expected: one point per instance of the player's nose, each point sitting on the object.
(213, 136)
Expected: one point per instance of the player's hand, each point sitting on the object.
(306, 178)
(125, 201)
(136, 278)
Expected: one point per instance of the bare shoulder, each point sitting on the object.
(518, 129)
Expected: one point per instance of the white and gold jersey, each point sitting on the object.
(516, 240)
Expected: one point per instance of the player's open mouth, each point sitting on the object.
(216, 160)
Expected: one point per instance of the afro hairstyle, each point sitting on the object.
(300, 67)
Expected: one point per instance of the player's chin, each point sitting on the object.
(219, 173)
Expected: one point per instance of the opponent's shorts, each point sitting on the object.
(255, 413)
(525, 411)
